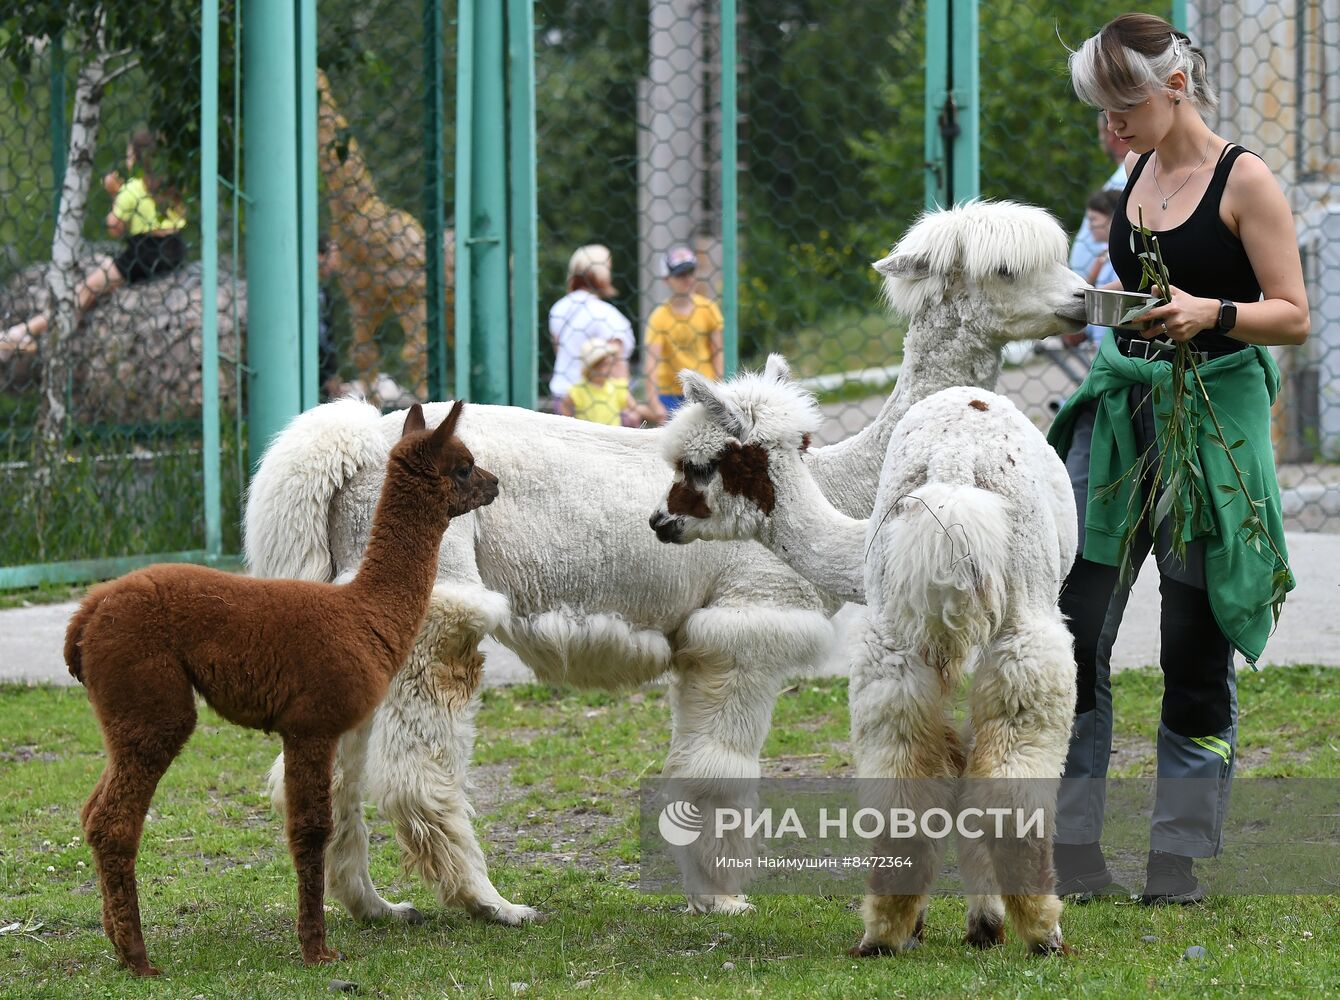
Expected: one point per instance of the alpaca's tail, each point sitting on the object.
(74, 637)
(288, 503)
(948, 549)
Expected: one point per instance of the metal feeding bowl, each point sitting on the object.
(1106, 306)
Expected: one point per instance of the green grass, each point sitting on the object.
(557, 772)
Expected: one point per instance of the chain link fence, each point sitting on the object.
(101, 400)
(385, 113)
(100, 436)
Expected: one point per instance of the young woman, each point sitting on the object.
(1227, 239)
(148, 214)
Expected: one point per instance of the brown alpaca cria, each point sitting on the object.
(309, 661)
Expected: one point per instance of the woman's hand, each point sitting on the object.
(1182, 317)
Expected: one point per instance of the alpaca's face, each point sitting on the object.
(996, 267)
(442, 459)
(722, 490)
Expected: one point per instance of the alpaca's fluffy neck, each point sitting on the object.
(812, 536)
(942, 349)
(395, 578)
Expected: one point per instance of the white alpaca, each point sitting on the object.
(563, 570)
(973, 531)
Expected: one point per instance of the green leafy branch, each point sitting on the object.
(1178, 472)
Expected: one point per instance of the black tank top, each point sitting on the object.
(1202, 255)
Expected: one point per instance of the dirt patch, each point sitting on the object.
(572, 834)
(25, 754)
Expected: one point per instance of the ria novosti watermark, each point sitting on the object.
(834, 835)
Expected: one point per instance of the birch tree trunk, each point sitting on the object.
(53, 415)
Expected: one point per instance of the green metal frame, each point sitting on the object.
(274, 314)
(496, 241)
(730, 221)
(521, 200)
(434, 208)
(209, 274)
(952, 89)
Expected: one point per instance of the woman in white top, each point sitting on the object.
(583, 314)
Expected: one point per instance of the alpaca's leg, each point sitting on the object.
(908, 757)
(145, 723)
(347, 875)
(1022, 704)
(728, 668)
(419, 757)
(308, 762)
(986, 912)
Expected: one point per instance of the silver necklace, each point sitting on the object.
(1204, 156)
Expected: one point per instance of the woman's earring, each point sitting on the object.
(1177, 100)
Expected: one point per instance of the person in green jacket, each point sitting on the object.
(1236, 283)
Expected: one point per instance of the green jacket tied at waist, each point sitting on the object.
(1238, 574)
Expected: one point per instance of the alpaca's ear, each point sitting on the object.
(910, 266)
(413, 420)
(777, 369)
(447, 428)
(721, 410)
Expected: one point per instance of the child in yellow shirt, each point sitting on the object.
(598, 396)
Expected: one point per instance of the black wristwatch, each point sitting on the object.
(1228, 315)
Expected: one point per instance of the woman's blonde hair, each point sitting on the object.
(1133, 56)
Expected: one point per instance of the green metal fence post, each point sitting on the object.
(434, 209)
(521, 204)
(937, 96)
(465, 134)
(274, 354)
(307, 203)
(730, 221)
(951, 128)
(209, 273)
(966, 160)
(1179, 13)
(486, 251)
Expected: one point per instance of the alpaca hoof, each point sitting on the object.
(509, 914)
(145, 969)
(322, 956)
(406, 913)
(732, 906)
(1051, 945)
(985, 934)
(876, 949)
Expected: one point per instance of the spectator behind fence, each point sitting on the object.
(145, 210)
(1227, 238)
(682, 332)
(1086, 246)
(600, 396)
(583, 314)
(1098, 211)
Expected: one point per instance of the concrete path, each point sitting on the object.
(31, 639)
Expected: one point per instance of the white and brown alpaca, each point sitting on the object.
(383, 272)
(309, 661)
(563, 570)
(973, 531)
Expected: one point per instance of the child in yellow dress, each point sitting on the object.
(598, 396)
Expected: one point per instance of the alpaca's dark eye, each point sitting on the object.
(463, 471)
(1006, 273)
(693, 470)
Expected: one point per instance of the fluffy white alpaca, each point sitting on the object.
(973, 531)
(563, 570)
